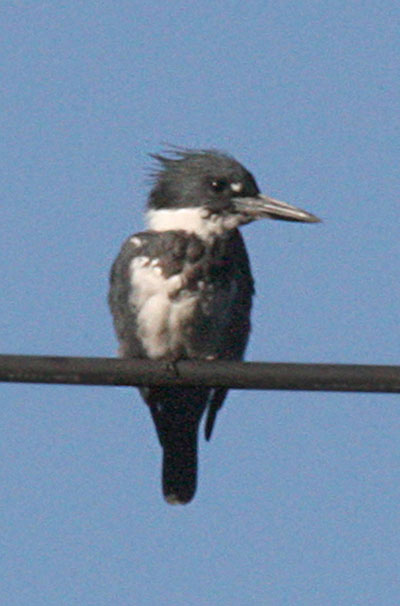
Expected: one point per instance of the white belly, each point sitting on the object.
(164, 309)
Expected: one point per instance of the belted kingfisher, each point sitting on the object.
(183, 289)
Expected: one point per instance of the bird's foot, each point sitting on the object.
(171, 367)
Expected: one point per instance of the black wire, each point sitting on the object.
(235, 375)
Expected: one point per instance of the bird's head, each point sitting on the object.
(208, 191)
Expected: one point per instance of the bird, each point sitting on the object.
(182, 290)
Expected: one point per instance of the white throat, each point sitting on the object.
(192, 220)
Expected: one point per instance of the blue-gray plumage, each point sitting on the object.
(183, 289)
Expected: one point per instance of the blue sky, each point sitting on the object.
(298, 493)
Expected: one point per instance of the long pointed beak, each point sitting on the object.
(260, 206)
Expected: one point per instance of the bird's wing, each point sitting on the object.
(120, 293)
(236, 333)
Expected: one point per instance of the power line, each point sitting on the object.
(235, 375)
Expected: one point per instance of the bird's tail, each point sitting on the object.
(176, 413)
(179, 471)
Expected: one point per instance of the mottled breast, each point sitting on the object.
(181, 291)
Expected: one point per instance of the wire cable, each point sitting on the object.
(216, 373)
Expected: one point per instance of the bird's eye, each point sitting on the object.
(219, 185)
